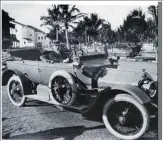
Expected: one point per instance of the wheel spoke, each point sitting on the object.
(16, 91)
(120, 115)
(61, 90)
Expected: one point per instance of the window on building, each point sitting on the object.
(42, 38)
(38, 38)
(30, 34)
(16, 30)
(24, 42)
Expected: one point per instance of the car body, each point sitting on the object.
(94, 83)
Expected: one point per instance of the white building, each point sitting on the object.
(29, 36)
(42, 40)
(148, 47)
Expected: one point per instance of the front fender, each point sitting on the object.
(136, 92)
(109, 92)
(25, 81)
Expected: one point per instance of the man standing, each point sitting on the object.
(55, 55)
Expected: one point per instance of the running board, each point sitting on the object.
(76, 109)
(81, 109)
(45, 99)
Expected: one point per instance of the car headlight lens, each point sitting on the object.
(150, 88)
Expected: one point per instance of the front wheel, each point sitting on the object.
(15, 91)
(125, 117)
(62, 91)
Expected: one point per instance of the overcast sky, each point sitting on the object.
(30, 13)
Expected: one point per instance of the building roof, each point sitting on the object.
(29, 26)
(18, 23)
(35, 29)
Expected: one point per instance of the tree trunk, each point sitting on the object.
(105, 49)
(67, 39)
(57, 34)
(95, 50)
(112, 48)
(88, 39)
(85, 37)
(79, 45)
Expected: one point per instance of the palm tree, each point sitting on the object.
(68, 16)
(90, 26)
(134, 26)
(52, 20)
(153, 10)
(105, 35)
(153, 23)
(94, 27)
(62, 16)
(79, 32)
(85, 24)
(81, 29)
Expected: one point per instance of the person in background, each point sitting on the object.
(56, 55)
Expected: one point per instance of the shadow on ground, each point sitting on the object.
(66, 133)
(36, 103)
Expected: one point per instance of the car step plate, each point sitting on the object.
(79, 109)
(44, 99)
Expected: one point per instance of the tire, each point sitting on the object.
(132, 101)
(23, 98)
(71, 93)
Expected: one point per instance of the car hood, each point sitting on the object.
(119, 77)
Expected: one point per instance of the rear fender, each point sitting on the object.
(25, 81)
(108, 93)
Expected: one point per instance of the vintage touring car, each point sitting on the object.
(93, 86)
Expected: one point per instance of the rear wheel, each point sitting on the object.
(125, 117)
(15, 91)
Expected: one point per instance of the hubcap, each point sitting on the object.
(122, 120)
(61, 90)
(16, 91)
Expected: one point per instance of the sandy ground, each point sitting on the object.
(38, 120)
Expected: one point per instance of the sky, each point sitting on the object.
(29, 13)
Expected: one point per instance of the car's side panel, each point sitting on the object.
(46, 69)
(32, 71)
(64, 66)
(16, 64)
(27, 67)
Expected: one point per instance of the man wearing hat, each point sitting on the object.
(55, 55)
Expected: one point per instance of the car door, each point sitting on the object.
(46, 69)
(32, 71)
